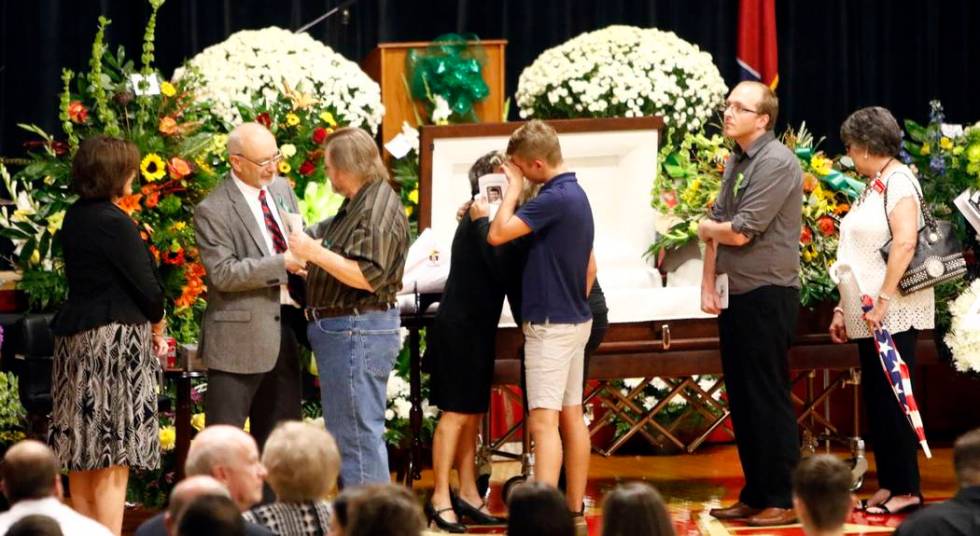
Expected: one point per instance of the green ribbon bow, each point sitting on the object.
(836, 180)
(452, 69)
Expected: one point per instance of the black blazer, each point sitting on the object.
(112, 276)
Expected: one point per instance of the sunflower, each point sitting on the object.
(152, 167)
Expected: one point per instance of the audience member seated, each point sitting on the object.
(822, 495)
(341, 506)
(635, 508)
(537, 509)
(960, 515)
(211, 515)
(32, 483)
(303, 462)
(383, 510)
(231, 457)
(35, 525)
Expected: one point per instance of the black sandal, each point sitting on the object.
(885, 511)
(863, 503)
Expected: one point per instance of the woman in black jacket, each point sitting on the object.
(104, 416)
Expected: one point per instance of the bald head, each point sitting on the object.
(29, 471)
(253, 154)
(214, 446)
(189, 489)
(232, 457)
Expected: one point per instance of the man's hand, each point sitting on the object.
(710, 301)
(515, 177)
(479, 209)
(294, 264)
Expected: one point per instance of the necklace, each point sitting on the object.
(877, 176)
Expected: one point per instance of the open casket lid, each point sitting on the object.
(615, 161)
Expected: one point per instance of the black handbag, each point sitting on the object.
(938, 254)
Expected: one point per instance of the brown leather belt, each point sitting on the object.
(315, 313)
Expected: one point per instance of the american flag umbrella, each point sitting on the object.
(897, 373)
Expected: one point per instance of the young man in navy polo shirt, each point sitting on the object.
(555, 308)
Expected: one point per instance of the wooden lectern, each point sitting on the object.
(386, 65)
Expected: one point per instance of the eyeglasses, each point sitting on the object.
(737, 108)
(264, 163)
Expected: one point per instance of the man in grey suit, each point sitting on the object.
(248, 338)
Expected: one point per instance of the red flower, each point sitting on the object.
(59, 147)
(264, 119)
(319, 134)
(669, 199)
(174, 257)
(77, 112)
(178, 168)
(152, 199)
(307, 168)
(826, 225)
(806, 236)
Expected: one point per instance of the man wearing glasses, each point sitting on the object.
(248, 337)
(752, 236)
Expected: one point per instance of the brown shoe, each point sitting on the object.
(738, 510)
(771, 517)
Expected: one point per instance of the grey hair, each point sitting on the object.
(873, 128)
(484, 165)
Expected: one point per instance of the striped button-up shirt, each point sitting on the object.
(370, 228)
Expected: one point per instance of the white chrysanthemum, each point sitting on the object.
(254, 63)
(963, 338)
(623, 71)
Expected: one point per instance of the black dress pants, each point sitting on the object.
(755, 334)
(894, 443)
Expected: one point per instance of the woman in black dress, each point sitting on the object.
(460, 356)
(103, 385)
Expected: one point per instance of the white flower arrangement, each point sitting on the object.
(254, 63)
(963, 338)
(623, 71)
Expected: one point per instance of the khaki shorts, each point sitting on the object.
(554, 355)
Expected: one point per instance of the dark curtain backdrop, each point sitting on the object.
(834, 55)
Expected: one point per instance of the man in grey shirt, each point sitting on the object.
(752, 235)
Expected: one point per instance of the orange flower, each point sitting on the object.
(809, 182)
(842, 208)
(130, 203)
(194, 270)
(168, 126)
(152, 199)
(178, 168)
(826, 225)
(77, 112)
(155, 252)
(806, 236)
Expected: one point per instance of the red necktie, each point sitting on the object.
(296, 285)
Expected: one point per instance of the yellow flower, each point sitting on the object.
(167, 89)
(36, 257)
(197, 421)
(327, 118)
(292, 119)
(179, 226)
(945, 143)
(55, 220)
(821, 165)
(153, 167)
(247, 426)
(284, 167)
(21, 215)
(925, 150)
(413, 196)
(808, 254)
(408, 211)
(168, 438)
(288, 150)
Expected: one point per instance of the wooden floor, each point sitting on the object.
(693, 483)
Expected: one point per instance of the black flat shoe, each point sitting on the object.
(474, 513)
(434, 516)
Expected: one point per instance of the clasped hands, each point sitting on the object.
(301, 248)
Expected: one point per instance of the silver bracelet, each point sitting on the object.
(884, 297)
(839, 309)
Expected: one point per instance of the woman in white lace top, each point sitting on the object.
(873, 140)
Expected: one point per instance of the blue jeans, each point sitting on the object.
(354, 356)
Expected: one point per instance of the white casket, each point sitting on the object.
(615, 161)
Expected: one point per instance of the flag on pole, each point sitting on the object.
(898, 376)
(757, 56)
